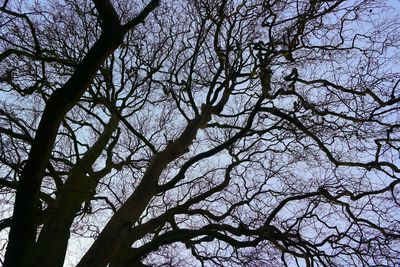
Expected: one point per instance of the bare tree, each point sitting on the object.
(199, 133)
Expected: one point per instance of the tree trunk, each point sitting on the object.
(20, 249)
(117, 229)
(53, 239)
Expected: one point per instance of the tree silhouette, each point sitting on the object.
(199, 133)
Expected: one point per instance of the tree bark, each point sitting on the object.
(119, 226)
(22, 236)
(20, 249)
(53, 239)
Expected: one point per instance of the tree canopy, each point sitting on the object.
(199, 133)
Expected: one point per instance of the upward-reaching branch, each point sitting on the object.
(142, 15)
(22, 235)
(107, 14)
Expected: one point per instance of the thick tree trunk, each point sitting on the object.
(119, 226)
(21, 242)
(53, 239)
(22, 235)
